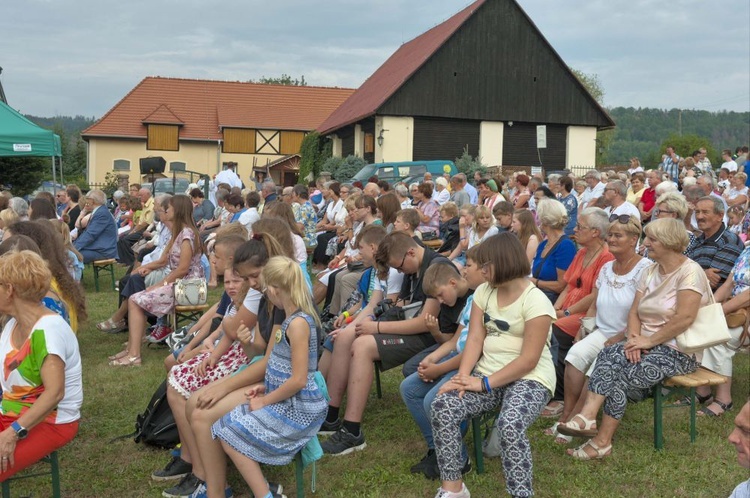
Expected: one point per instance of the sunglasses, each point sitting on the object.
(622, 218)
(501, 325)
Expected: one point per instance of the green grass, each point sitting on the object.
(94, 467)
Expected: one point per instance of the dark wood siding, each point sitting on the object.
(497, 67)
(436, 139)
(519, 146)
(347, 141)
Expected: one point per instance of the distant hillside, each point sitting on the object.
(640, 131)
(71, 126)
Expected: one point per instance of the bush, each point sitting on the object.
(348, 168)
(468, 165)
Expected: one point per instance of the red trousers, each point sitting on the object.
(42, 440)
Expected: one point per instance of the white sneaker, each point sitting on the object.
(464, 493)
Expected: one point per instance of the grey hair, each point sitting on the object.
(710, 180)
(118, 195)
(20, 206)
(221, 194)
(552, 213)
(675, 203)
(597, 219)
(554, 177)
(594, 174)
(97, 195)
(619, 187)
(717, 202)
(401, 190)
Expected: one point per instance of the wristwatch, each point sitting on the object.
(566, 312)
(21, 431)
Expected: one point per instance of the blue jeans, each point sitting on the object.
(418, 396)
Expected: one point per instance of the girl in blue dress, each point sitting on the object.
(286, 411)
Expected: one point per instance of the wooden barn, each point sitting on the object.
(484, 80)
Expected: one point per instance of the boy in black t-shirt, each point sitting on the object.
(391, 343)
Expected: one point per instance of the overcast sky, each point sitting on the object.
(82, 56)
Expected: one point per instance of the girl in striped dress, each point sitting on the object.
(286, 411)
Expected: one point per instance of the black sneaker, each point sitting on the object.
(429, 460)
(177, 468)
(344, 442)
(186, 487)
(275, 488)
(330, 428)
(433, 471)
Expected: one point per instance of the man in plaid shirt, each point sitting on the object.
(716, 249)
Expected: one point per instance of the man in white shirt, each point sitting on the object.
(615, 194)
(595, 188)
(229, 176)
(729, 163)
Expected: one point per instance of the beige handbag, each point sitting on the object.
(708, 329)
(190, 292)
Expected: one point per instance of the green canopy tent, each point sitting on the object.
(20, 137)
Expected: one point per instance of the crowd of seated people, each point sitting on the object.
(535, 295)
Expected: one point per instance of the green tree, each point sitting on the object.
(348, 168)
(684, 146)
(332, 165)
(23, 174)
(468, 165)
(284, 79)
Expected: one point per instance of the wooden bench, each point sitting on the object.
(54, 471)
(187, 313)
(681, 383)
(106, 266)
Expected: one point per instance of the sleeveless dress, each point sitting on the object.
(275, 433)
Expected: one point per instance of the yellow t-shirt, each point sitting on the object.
(503, 346)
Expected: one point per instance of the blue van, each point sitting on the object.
(406, 172)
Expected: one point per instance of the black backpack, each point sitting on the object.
(156, 425)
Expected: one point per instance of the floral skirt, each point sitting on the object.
(185, 380)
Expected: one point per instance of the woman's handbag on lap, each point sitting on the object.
(190, 292)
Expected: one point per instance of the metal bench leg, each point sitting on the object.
(476, 429)
(6, 489)
(112, 274)
(300, 472)
(658, 416)
(96, 278)
(54, 467)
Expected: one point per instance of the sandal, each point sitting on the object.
(553, 409)
(580, 452)
(725, 407)
(111, 326)
(685, 400)
(588, 429)
(126, 361)
(119, 355)
(559, 438)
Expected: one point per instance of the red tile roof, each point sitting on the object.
(205, 106)
(163, 115)
(394, 72)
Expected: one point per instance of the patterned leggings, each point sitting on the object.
(615, 378)
(520, 403)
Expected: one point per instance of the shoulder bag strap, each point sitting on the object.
(539, 269)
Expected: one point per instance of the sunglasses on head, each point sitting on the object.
(622, 218)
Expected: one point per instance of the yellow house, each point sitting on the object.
(201, 125)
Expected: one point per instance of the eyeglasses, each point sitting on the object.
(400, 267)
(581, 227)
(622, 218)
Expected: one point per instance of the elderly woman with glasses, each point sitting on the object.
(506, 364)
(667, 300)
(611, 297)
(673, 205)
(574, 301)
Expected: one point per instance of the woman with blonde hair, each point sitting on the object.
(524, 226)
(555, 253)
(40, 374)
(667, 299)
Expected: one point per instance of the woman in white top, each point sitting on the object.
(328, 221)
(736, 194)
(506, 363)
(613, 294)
